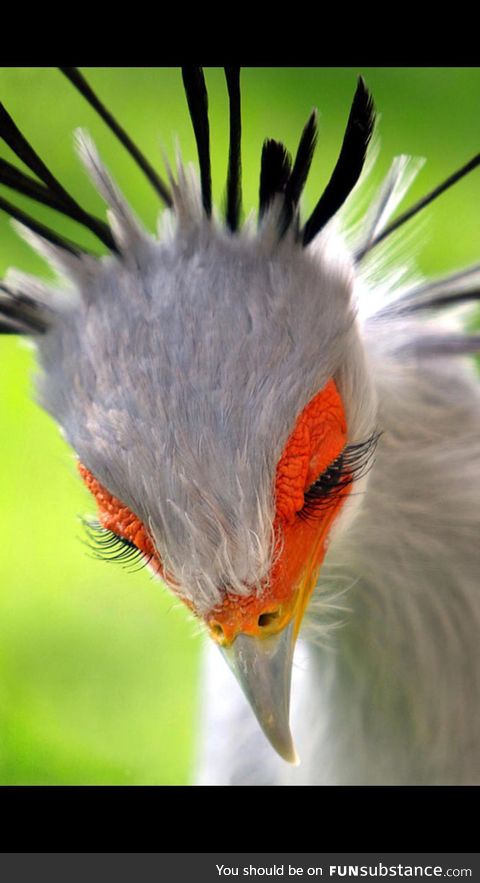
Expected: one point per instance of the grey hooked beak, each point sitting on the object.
(263, 668)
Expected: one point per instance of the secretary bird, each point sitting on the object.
(278, 420)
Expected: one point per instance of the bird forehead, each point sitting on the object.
(231, 287)
(216, 339)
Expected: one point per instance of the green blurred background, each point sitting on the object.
(99, 668)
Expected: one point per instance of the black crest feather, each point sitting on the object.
(78, 80)
(50, 192)
(274, 173)
(301, 168)
(197, 99)
(349, 164)
(234, 193)
(19, 314)
(40, 228)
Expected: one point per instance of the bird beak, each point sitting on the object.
(262, 664)
(260, 654)
(263, 668)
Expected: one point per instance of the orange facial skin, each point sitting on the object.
(318, 438)
(115, 516)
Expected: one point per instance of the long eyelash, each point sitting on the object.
(353, 463)
(108, 546)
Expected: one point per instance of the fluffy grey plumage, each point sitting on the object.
(153, 364)
(177, 370)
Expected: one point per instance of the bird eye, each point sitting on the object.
(118, 535)
(326, 488)
(353, 463)
(109, 546)
(328, 479)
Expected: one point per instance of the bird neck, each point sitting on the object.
(397, 681)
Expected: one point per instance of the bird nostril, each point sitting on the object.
(217, 630)
(266, 619)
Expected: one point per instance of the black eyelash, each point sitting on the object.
(109, 546)
(353, 463)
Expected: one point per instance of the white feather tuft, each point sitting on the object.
(128, 232)
(72, 268)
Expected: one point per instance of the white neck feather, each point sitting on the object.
(399, 681)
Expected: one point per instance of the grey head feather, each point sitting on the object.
(177, 378)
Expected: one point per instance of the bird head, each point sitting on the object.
(213, 384)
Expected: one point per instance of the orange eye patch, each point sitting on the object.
(115, 516)
(318, 438)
